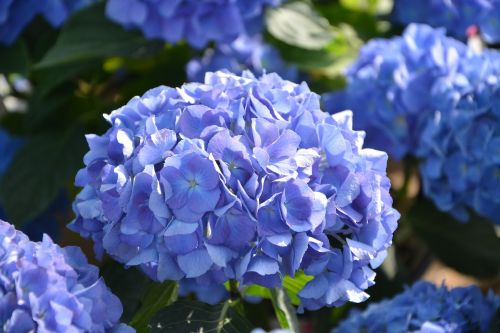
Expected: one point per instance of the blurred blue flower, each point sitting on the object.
(426, 308)
(15, 15)
(392, 84)
(238, 178)
(260, 330)
(460, 145)
(9, 145)
(198, 22)
(46, 288)
(455, 16)
(245, 53)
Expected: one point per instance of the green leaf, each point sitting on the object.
(193, 316)
(14, 58)
(294, 285)
(329, 61)
(158, 296)
(90, 35)
(298, 24)
(371, 6)
(258, 291)
(38, 172)
(284, 310)
(471, 248)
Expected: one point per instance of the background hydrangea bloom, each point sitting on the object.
(391, 86)
(245, 53)
(238, 178)
(198, 22)
(455, 16)
(16, 15)
(47, 288)
(460, 146)
(426, 308)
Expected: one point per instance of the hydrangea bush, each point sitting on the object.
(455, 16)
(237, 189)
(426, 308)
(238, 178)
(15, 15)
(245, 53)
(197, 22)
(46, 288)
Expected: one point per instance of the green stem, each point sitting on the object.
(284, 310)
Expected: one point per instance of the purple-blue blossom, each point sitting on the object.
(460, 145)
(238, 178)
(455, 16)
(15, 15)
(46, 288)
(425, 308)
(197, 22)
(393, 84)
(245, 53)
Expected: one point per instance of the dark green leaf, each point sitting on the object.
(14, 58)
(193, 317)
(47, 79)
(158, 296)
(284, 310)
(471, 248)
(89, 35)
(130, 285)
(297, 24)
(39, 170)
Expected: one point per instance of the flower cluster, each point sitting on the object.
(46, 288)
(430, 96)
(245, 53)
(259, 330)
(16, 15)
(392, 84)
(198, 22)
(426, 308)
(455, 16)
(460, 145)
(238, 178)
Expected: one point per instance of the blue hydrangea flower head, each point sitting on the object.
(46, 288)
(392, 84)
(259, 330)
(455, 16)
(238, 178)
(198, 22)
(425, 308)
(460, 145)
(245, 53)
(16, 15)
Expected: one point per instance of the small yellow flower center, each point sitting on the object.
(193, 183)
